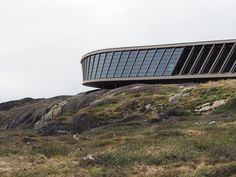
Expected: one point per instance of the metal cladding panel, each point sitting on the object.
(163, 61)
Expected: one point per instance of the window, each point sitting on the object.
(146, 62)
(164, 61)
(121, 63)
(100, 65)
(129, 63)
(173, 61)
(87, 70)
(154, 63)
(106, 64)
(91, 67)
(114, 64)
(95, 63)
(138, 62)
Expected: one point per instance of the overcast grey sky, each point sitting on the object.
(42, 41)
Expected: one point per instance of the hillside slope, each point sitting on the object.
(137, 130)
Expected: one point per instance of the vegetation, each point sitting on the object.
(186, 145)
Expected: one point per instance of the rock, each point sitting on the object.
(54, 112)
(212, 123)
(89, 157)
(175, 111)
(22, 120)
(130, 118)
(176, 98)
(208, 106)
(97, 102)
(83, 121)
(198, 123)
(8, 105)
(53, 128)
(219, 103)
(75, 137)
(205, 109)
(134, 88)
(29, 140)
(160, 118)
(148, 107)
(205, 104)
(186, 94)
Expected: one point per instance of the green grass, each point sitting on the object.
(36, 172)
(177, 148)
(50, 150)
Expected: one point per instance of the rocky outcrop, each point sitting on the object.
(206, 107)
(138, 102)
(175, 99)
(11, 104)
(48, 117)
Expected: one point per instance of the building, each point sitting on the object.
(169, 63)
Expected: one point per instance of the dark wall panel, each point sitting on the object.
(192, 59)
(230, 62)
(212, 58)
(222, 58)
(202, 58)
(182, 60)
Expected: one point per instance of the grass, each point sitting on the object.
(177, 148)
(50, 150)
(36, 172)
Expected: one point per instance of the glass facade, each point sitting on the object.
(172, 62)
(138, 62)
(160, 62)
(146, 63)
(129, 63)
(100, 66)
(115, 60)
(155, 62)
(135, 63)
(121, 64)
(106, 65)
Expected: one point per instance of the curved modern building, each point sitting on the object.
(169, 63)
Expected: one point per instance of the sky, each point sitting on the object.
(42, 41)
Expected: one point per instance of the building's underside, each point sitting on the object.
(171, 63)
